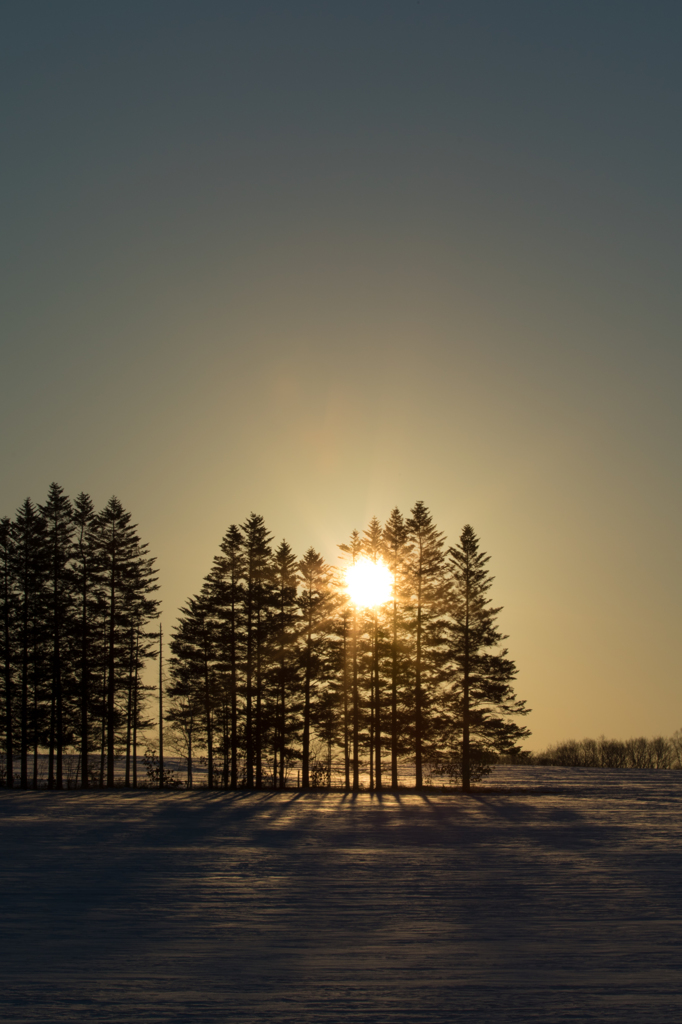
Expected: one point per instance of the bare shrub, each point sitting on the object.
(639, 752)
(449, 764)
(676, 749)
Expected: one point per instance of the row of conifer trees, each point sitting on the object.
(276, 673)
(76, 603)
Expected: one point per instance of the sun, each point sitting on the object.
(369, 583)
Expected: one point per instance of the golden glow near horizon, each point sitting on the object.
(369, 583)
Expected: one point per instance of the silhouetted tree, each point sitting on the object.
(481, 693)
(316, 608)
(257, 603)
(8, 613)
(59, 528)
(342, 646)
(424, 580)
(353, 552)
(86, 575)
(284, 638)
(373, 549)
(30, 573)
(129, 579)
(226, 588)
(397, 552)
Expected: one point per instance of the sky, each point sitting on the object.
(319, 259)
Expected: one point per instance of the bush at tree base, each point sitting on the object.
(151, 763)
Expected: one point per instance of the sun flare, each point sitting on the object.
(369, 583)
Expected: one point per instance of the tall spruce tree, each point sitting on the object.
(57, 516)
(30, 575)
(257, 604)
(142, 645)
(284, 657)
(7, 625)
(89, 608)
(129, 580)
(425, 579)
(397, 552)
(482, 698)
(353, 552)
(373, 548)
(224, 594)
(342, 653)
(315, 602)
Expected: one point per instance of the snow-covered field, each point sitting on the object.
(560, 904)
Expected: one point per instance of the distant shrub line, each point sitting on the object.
(640, 752)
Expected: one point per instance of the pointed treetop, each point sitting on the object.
(421, 521)
(114, 514)
(233, 540)
(256, 534)
(26, 510)
(372, 544)
(394, 528)
(284, 554)
(56, 500)
(354, 548)
(312, 562)
(467, 560)
(83, 509)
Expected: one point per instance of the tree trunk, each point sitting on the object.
(103, 738)
(249, 694)
(209, 721)
(233, 696)
(466, 752)
(259, 699)
(59, 709)
(226, 745)
(161, 769)
(283, 721)
(305, 761)
(466, 757)
(418, 770)
(129, 717)
(356, 708)
(111, 678)
(377, 702)
(136, 706)
(346, 707)
(36, 737)
(51, 741)
(9, 749)
(24, 701)
(84, 696)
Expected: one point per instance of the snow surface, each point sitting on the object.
(560, 904)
